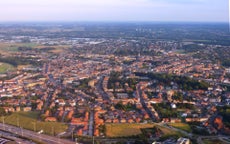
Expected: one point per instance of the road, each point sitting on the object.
(222, 138)
(30, 134)
(50, 93)
(139, 94)
(15, 138)
(100, 89)
(199, 138)
(190, 135)
(91, 122)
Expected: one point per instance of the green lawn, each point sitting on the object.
(4, 67)
(182, 126)
(28, 120)
(125, 130)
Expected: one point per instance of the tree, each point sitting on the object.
(2, 111)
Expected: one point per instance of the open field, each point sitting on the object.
(182, 126)
(4, 67)
(28, 120)
(213, 141)
(167, 131)
(13, 47)
(8, 48)
(55, 49)
(125, 130)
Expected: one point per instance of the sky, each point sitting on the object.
(115, 10)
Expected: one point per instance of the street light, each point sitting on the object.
(3, 121)
(21, 131)
(53, 130)
(17, 121)
(58, 139)
(72, 134)
(34, 124)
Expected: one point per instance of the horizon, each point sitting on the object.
(115, 10)
(114, 22)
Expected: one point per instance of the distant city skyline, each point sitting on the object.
(115, 10)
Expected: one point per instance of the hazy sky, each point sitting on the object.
(114, 10)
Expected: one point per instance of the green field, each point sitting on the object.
(7, 48)
(213, 141)
(28, 120)
(4, 67)
(182, 126)
(125, 130)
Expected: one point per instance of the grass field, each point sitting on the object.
(8, 48)
(213, 141)
(167, 131)
(13, 47)
(182, 126)
(56, 49)
(28, 120)
(125, 130)
(4, 67)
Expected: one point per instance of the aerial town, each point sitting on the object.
(115, 84)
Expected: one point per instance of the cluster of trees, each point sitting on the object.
(185, 83)
(15, 61)
(225, 113)
(165, 110)
(116, 80)
(155, 131)
(180, 97)
(222, 54)
(216, 55)
(115, 77)
(135, 52)
(84, 84)
(197, 129)
(185, 106)
(192, 48)
(24, 48)
(45, 49)
(128, 107)
(2, 112)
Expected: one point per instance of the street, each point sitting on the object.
(33, 135)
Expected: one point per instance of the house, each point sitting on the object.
(26, 109)
(51, 119)
(9, 109)
(18, 109)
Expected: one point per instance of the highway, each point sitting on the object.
(30, 134)
(14, 137)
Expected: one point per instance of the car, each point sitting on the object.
(41, 131)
